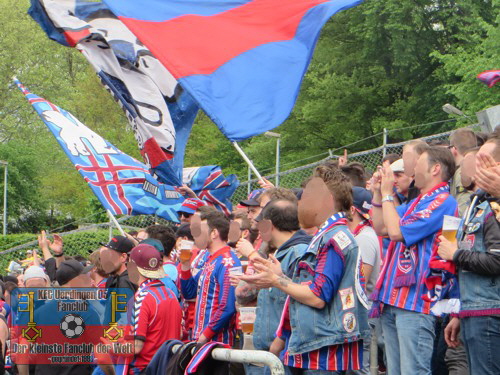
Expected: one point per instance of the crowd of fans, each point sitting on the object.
(312, 274)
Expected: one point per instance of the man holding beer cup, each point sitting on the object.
(215, 305)
(476, 253)
(413, 228)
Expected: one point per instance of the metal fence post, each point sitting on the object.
(278, 161)
(5, 164)
(384, 149)
(249, 185)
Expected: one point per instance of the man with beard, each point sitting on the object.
(114, 258)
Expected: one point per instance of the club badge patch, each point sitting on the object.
(472, 227)
(342, 240)
(349, 322)
(347, 298)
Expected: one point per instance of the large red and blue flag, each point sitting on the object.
(242, 60)
(121, 183)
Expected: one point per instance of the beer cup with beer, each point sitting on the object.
(185, 250)
(247, 317)
(450, 227)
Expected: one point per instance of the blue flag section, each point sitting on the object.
(159, 111)
(121, 183)
(71, 325)
(242, 60)
(210, 185)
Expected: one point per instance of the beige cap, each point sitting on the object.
(398, 166)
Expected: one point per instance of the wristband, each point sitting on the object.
(58, 255)
(388, 198)
(376, 205)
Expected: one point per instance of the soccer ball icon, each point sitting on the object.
(72, 326)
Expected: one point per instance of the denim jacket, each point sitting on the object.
(479, 294)
(270, 301)
(345, 318)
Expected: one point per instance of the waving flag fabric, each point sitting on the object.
(122, 184)
(210, 185)
(160, 112)
(489, 77)
(242, 60)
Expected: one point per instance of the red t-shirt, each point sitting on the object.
(157, 318)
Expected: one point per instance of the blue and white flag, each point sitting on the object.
(121, 183)
(159, 111)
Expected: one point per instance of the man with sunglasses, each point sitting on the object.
(188, 208)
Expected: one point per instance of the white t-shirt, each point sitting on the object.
(369, 248)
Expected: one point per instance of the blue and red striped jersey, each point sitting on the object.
(215, 304)
(421, 222)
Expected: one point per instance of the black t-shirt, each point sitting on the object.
(63, 369)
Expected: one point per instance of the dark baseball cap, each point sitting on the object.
(119, 243)
(362, 200)
(69, 269)
(155, 243)
(253, 197)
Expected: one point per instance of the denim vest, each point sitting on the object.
(270, 301)
(479, 295)
(345, 318)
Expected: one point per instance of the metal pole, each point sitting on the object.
(249, 185)
(278, 162)
(384, 150)
(5, 200)
(248, 161)
(115, 222)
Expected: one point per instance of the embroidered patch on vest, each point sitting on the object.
(347, 298)
(342, 240)
(472, 227)
(468, 242)
(479, 213)
(349, 322)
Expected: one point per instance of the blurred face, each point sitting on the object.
(141, 235)
(81, 281)
(487, 149)
(468, 170)
(36, 282)
(422, 174)
(111, 260)
(402, 182)
(409, 161)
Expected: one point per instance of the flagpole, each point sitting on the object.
(113, 219)
(249, 162)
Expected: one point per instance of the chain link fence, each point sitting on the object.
(84, 236)
(82, 240)
(293, 178)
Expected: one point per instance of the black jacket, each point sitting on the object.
(121, 281)
(487, 263)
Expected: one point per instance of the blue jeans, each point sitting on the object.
(481, 337)
(409, 341)
(256, 370)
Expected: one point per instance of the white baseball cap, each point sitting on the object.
(34, 272)
(398, 166)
